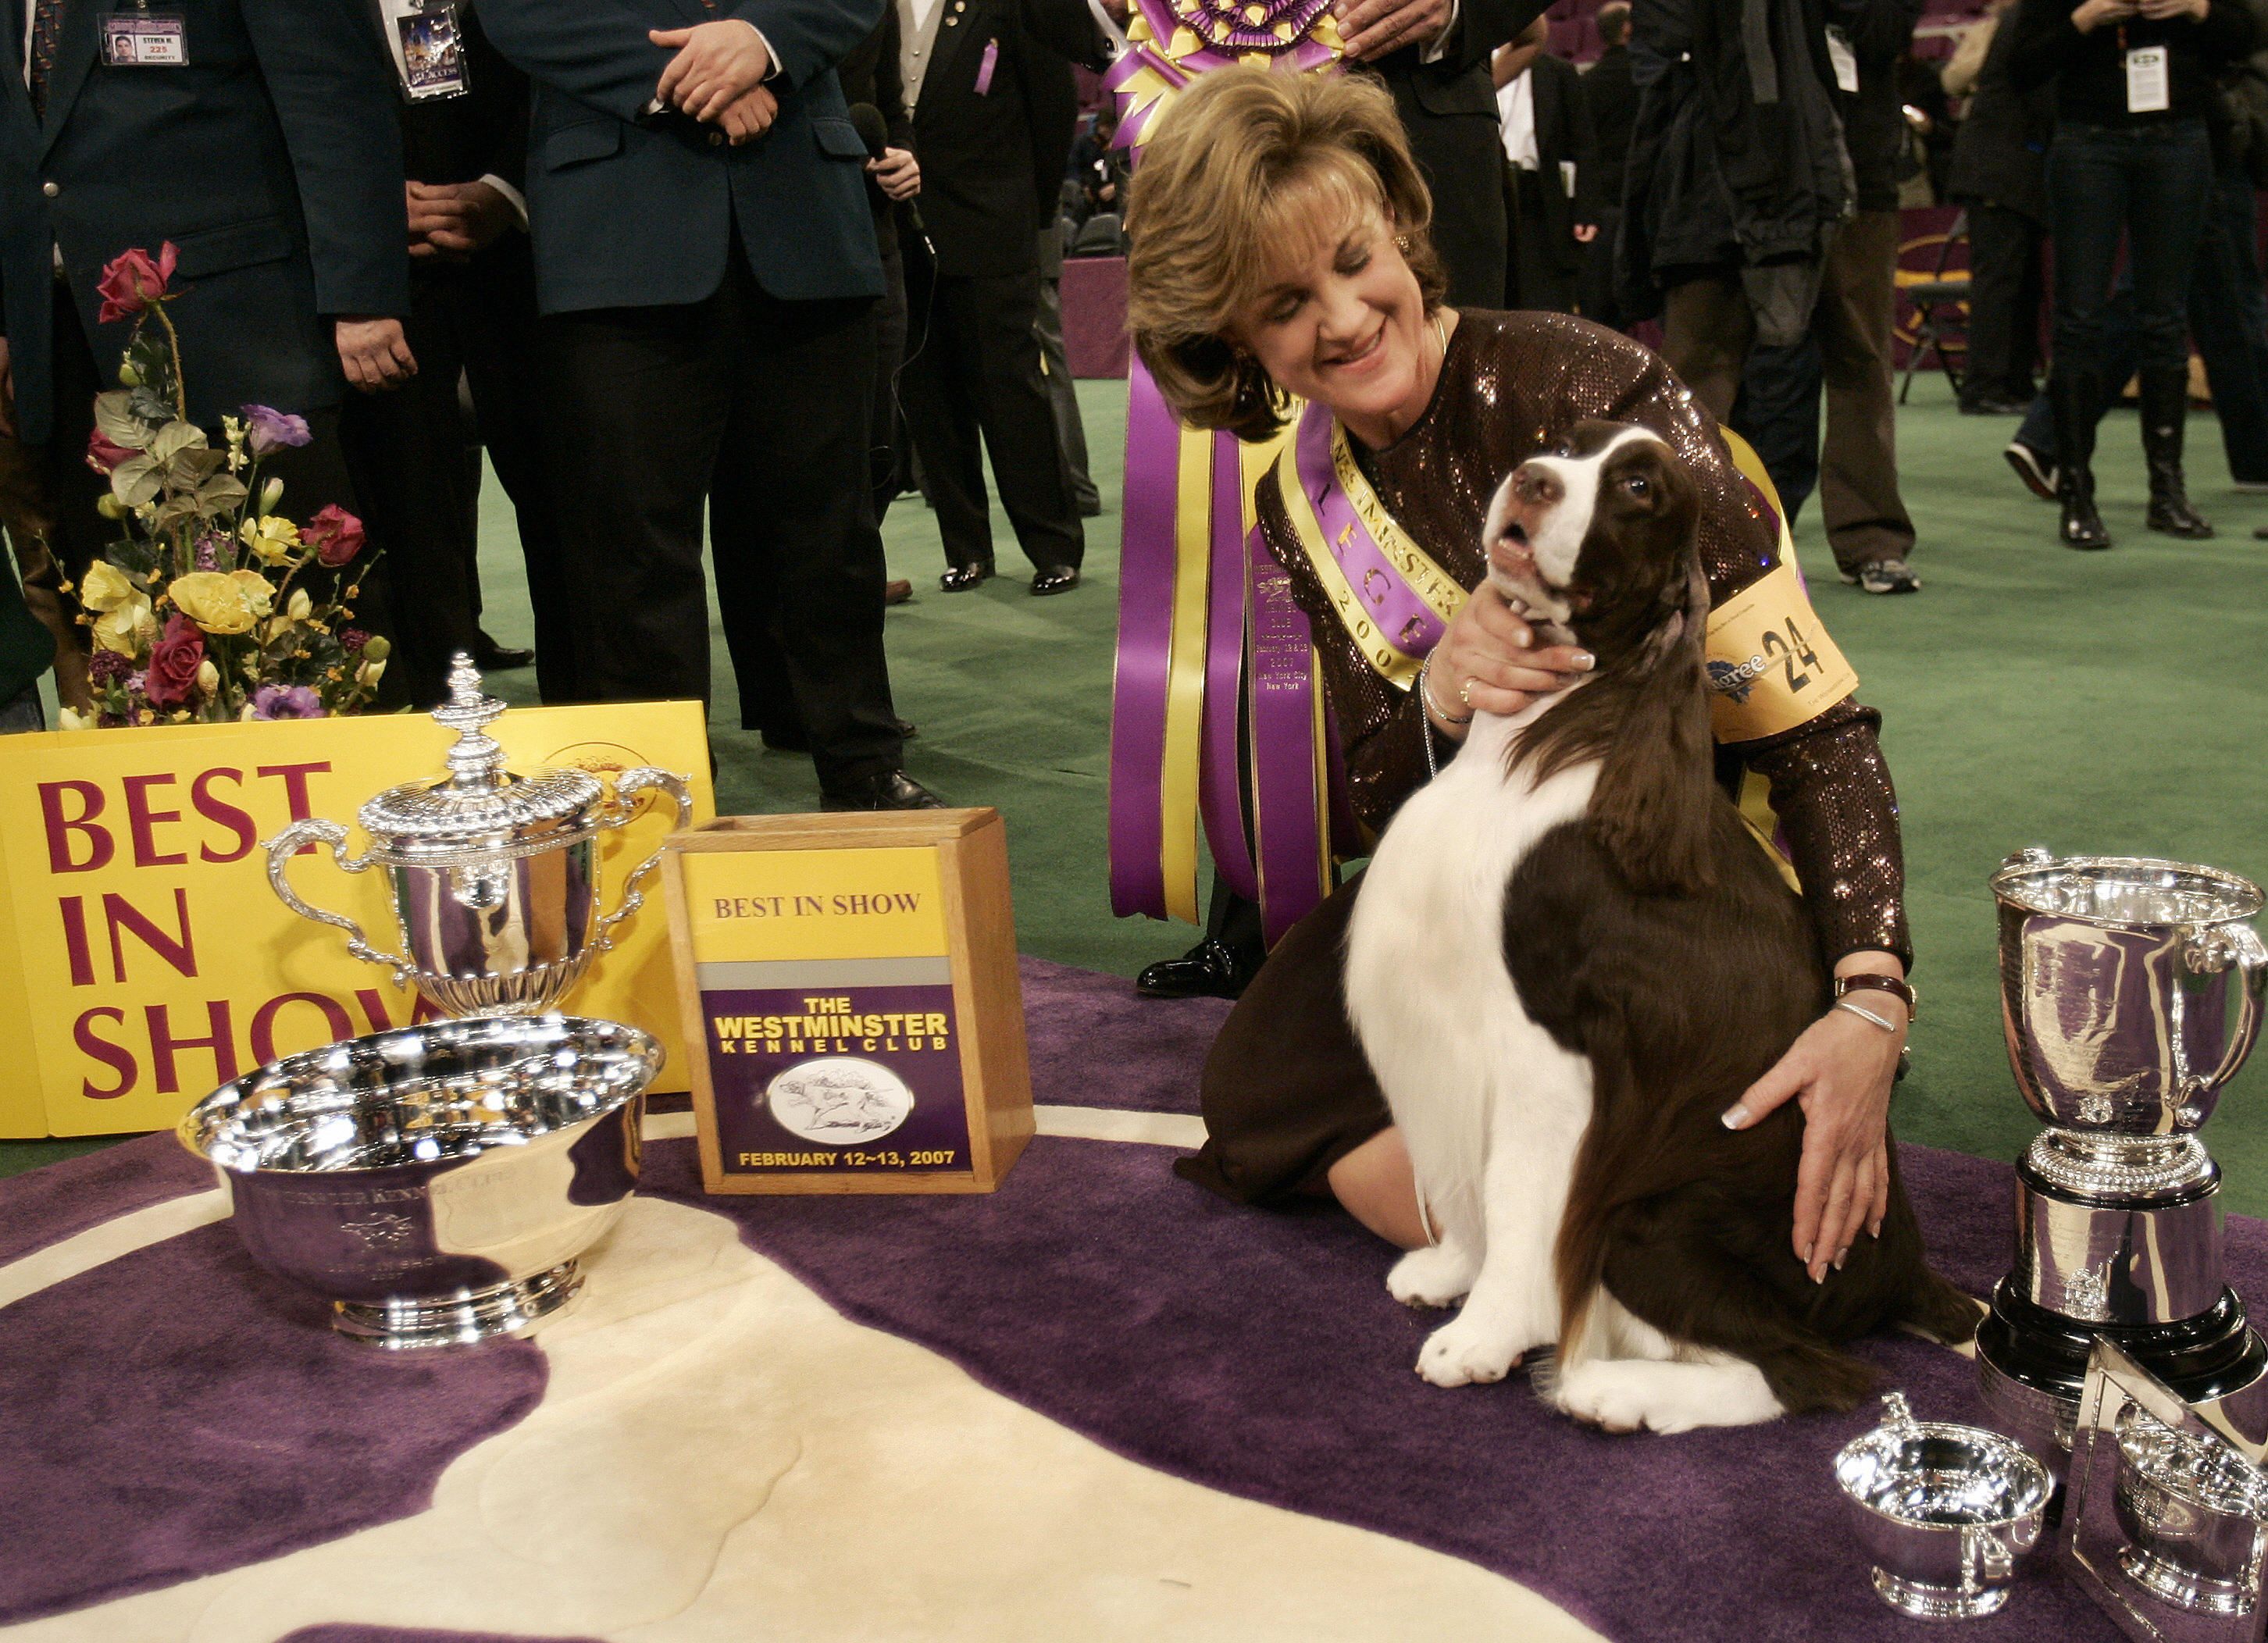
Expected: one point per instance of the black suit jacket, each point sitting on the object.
(869, 74)
(272, 161)
(481, 134)
(992, 162)
(1563, 136)
(1448, 109)
(1611, 95)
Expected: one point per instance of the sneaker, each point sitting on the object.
(1883, 576)
(2034, 467)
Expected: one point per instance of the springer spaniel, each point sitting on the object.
(1567, 959)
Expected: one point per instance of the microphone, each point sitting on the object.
(875, 132)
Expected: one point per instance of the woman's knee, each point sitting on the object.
(1375, 1183)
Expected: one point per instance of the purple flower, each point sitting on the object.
(208, 551)
(107, 667)
(351, 640)
(286, 702)
(272, 430)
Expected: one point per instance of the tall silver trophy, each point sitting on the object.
(494, 875)
(2130, 992)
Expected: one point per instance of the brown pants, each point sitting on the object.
(1708, 331)
(28, 513)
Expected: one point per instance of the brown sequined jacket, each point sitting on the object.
(1514, 384)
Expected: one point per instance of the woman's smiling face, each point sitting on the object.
(1339, 320)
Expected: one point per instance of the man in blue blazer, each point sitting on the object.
(262, 144)
(708, 267)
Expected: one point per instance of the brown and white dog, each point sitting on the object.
(1567, 959)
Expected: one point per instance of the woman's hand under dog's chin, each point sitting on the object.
(1489, 662)
(1841, 1071)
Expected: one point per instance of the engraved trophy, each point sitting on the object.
(2130, 992)
(494, 876)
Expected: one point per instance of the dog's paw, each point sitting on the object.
(1463, 1351)
(1437, 1276)
(1639, 1396)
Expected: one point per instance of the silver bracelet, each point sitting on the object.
(1427, 700)
(1866, 1014)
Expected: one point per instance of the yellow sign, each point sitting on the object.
(758, 905)
(143, 959)
(1772, 666)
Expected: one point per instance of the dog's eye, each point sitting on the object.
(1636, 485)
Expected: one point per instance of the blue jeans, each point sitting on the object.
(2228, 317)
(2151, 186)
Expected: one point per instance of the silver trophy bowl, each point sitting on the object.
(2194, 1514)
(1945, 1513)
(436, 1183)
(494, 875)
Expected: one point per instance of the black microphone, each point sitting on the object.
(875, 132)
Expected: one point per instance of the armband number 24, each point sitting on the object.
(1788, 651)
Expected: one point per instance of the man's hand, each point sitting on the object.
(1585, 233)
(2166, 11)
(457, 218)
(750, 115)
(898, 173)
(716, 65)
(7, 392)
(1371, 29)
(2092, 14)
(373, 352)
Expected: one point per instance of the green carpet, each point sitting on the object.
(2104, 702)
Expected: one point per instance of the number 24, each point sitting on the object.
(1789, 650)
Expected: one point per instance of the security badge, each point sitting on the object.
(429, 52)
(140, 38)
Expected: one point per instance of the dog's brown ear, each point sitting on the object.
(1651, 810)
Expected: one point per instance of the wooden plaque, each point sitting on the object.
(851, 1005)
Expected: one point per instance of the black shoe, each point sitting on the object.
(962, 577)
(2165, 407)
(1990, 405)
(1056, 578)
(2076, 401)
(2037, 469)
(885, 790)
(907, 729)
(1211, 969)
(491, 658)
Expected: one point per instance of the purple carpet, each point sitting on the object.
(176, 1400)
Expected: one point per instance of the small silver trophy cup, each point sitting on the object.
(494, 876)
(2130, 992)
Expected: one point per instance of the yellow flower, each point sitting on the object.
(368, 675)
(208, 677)
(104, 588)
(73, 719)
(127, 628)
(259, 595)
(272, 538)
(214, 602)
(299, 605)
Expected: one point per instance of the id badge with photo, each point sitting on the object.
(145, 39)
(2149, 85)
(429, 49)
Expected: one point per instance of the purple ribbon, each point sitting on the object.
(1405, 619)
(1284, 762)
(1221, 794)
(991, 61)
(1145, 640)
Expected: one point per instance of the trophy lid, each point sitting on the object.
(2124, 891)
(480, 806)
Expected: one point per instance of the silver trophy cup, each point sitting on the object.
(494, 876)
(2131, 993)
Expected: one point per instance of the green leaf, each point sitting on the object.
(114, 418)
(221, 491)
(134, 481)
(176, 436)
(150, 409)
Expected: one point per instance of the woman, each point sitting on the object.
(2133, 82)
(1279, 248)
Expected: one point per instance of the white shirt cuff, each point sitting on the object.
(770, 56)
(513, 196)
(1433, 53)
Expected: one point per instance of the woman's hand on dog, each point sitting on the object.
(1489, 662)
(1840, 1071)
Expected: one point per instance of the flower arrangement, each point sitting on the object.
(195, 615)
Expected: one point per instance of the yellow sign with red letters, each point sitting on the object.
(143, 959)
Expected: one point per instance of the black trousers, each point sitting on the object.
(2006, 291)
(973, 364)
(758, 408)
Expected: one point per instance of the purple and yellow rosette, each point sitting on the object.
(1169, 43)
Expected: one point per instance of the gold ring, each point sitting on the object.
(1465, 693)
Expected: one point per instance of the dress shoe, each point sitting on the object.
(907, 729)
(491, 658)
(884, 789)
(1993, 405)
(1056, 578)
(897, 590)
(962, 577)
(1211, 969)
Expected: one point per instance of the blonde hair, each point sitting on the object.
(1245, 161)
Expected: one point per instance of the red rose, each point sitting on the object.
(130, 281)
(171, 680)
(333, 534)
(101, 455)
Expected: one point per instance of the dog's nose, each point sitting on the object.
(1532, 483)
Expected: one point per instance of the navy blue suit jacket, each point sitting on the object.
(273, 161)
(625, 215)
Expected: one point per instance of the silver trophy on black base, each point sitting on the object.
(2130, 992)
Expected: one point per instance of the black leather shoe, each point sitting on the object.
(962, 577)
(491, 658)
(1210, 969)
(1059, 579)
(907, 729)
(885, 790)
